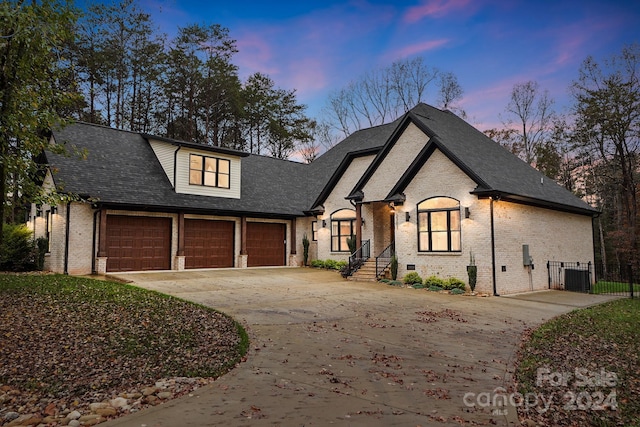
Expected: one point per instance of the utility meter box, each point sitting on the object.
(526, 258)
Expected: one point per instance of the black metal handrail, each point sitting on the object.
(358, 258)
(384, 259)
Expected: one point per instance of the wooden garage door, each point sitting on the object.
(138, 243)
(265, 244)
(208, 244)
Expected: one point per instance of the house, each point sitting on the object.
(428, 187)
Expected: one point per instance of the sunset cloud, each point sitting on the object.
(434, 8)
(417, 48)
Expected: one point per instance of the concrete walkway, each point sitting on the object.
(325, 351)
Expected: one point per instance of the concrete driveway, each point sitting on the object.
(326, 351)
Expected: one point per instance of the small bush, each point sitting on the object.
(384, 280)
(435, 288)
(411, 278)
(330, 264)
(433, 281)
(456, 291)
(341, 265)
(454, 283)
(418, 285)
(393, 267)
(18, 251)
(317, 263)
(396, 283)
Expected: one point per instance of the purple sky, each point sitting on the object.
(317, 46)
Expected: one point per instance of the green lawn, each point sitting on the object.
(604, 287)
(589, 362)
(67, 338)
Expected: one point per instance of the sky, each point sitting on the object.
(317, 47)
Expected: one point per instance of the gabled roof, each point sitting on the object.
(327, 169)
(121, 170)
(496, 171)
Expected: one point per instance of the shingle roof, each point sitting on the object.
(121, 169)
(499, 170)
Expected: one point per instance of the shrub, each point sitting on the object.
(418, 285)
(412, 277)
(454, 283)
(351, 243)
(42, 243)
(18, 251)
(305, 249)
(341, 265)
(396, 283)
(435, 288)
(394, 267)
(317, 263)
(331, 264)
(456, 291)
(384, 280)
(433, 281)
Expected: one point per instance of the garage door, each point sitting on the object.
(138, 243)
(265, 244)
(208, 244)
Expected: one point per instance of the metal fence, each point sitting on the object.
(595, 279)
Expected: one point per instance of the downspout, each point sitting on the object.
(175, 166)
(93, 242)
(66, 239)
(493, 250)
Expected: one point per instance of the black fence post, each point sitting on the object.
(630, 274)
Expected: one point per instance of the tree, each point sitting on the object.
(607, 130)
(384, 95)
(531, 113)
(31, 41)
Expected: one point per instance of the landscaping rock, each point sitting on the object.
(98, 405)
(74, 415)
(74, 423)
(148, 391)
(165, 395)
(106, 412)
(119, 402)
(10, 416)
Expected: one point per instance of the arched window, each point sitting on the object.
(342, 228)
(439, 225)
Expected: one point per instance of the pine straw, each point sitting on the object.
(65, 339)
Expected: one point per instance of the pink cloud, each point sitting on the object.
(434, 8)
(419, 48)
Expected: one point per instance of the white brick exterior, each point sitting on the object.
(337, 201)
(395, 163)
(81, 238)
(550, 234)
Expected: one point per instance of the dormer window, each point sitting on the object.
(209, 171)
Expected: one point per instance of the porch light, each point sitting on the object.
(324, 223)
(467, 212)
(407, 217)
(38, 211)
(392, 206)
(362, 220)
(54, 210)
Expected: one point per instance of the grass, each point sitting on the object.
(65, 337)
(598, 340)
(604, 287)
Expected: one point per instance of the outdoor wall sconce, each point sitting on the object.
(407, 217)
(324, 223)
(362, 221)
(54, 210)
(467, 212)
(38, 211)
(392, 206)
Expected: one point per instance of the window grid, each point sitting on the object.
(209, 171)
(439, 229)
